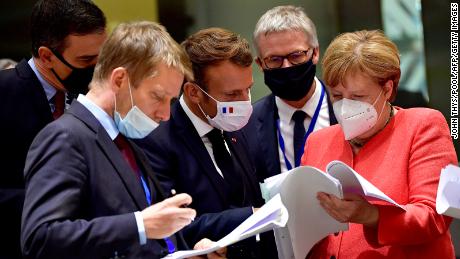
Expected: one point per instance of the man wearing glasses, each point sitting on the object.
(288, 51)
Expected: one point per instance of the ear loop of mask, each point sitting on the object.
(199, 106)
(206, 93)
(130, 94)
(383, 106)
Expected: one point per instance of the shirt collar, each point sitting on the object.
(201, 127)
(104, 118)
(309, 108)
(50, 91)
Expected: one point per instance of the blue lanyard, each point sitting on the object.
(309, 131)
(169, 243)
(146, 190)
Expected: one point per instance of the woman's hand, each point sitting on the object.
(352, 208)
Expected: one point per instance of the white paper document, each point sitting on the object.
(272, 215)
(271, 186)
(448, 196)
(308, 222)
(352, 182)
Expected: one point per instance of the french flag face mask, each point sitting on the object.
(231, 116)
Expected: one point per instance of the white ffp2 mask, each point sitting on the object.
(355, 117)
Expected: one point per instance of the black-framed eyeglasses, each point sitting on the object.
(295, 58)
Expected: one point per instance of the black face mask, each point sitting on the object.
(291, 83)
(78, 80)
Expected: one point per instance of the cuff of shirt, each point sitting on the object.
(258, 235)
(140, 228)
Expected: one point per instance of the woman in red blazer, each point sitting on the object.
(400, 151)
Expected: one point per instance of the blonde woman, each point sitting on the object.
(401, 151)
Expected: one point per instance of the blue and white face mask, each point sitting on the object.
(231, 116)
(135, 124)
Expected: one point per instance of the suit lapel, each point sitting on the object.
(268, 138)
(35, 91)
(189, 136)
(112, 153)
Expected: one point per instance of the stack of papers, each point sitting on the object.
(352, 182)
(308, 222)
(273, 214)
(448, 197)
(298, 220)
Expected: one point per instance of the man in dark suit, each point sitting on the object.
(288, 51)
(201, 150)
(32, 94)
(90, 192)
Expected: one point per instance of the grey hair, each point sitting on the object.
(286, 18)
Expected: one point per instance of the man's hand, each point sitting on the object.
(167, 217)
(352, 208)
(206, 243)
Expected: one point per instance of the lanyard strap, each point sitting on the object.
(148, 196)
(146, 190)
(309, 131)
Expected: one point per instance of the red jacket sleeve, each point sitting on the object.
(431, 150)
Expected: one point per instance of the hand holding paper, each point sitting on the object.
(272, 214)
(308, 221)
(352, 208)
(352, 182)
(205, 244)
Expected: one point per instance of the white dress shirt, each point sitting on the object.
(285, 113)
(202, 128)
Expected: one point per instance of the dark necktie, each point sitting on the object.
(299, 134)
(59, 104)
(221, 154)
(127, 152)
(228, 167)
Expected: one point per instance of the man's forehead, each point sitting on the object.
(285, 34)
(236, 79)
(282, 43)
(167, 80)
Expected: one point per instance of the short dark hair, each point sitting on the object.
(210, 46)
(53, 20)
